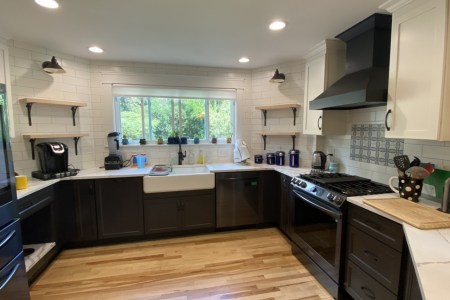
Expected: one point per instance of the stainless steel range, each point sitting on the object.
(317, 210)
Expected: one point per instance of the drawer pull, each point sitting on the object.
(368, 292)
(10, 275)
(371, 255)
(373, 224)
(7, 238)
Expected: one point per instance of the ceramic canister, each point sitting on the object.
(270, 158)
(294, 158)
(258, 159)
(279, 158)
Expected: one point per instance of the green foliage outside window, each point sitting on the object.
(153, 117)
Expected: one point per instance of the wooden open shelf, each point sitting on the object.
(31, 100)
(292, 134)
(34, 136)
(265, 108)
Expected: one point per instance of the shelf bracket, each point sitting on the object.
(76, 139)
(29, 105)
(264, 111)
(32, 147)
(293, 141)
(74, 110)
(264, 139)
(294, 110)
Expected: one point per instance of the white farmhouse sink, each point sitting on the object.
(181, 178)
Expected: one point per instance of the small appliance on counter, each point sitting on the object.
(53, 160)
(241, 153)
(114, 160)
(319, 160)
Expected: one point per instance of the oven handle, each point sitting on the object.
(330, 212)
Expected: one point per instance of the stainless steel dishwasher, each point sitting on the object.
(238, 199)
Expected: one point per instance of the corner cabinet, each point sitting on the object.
(418, 106)
(325, 63)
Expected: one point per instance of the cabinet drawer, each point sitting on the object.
(10, 244)
(361, 286)
(384, 230)
(380, 261)
(14, 281)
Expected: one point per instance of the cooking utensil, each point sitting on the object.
(417, 172)
(415, 162)
(402, 163)
(429, 167)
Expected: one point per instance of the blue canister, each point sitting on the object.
(258, 159)
(279, 158)
(294, 158)
(270, 158)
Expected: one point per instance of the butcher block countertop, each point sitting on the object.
(429, 248)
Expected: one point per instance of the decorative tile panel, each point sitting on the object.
(369, 145)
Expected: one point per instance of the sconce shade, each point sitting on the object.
(52, 66)
(278, 77)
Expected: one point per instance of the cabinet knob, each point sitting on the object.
(386, 119)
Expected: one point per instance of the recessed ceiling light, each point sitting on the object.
(47, 3)
(96, 49)
(277, 25)
(244, 60)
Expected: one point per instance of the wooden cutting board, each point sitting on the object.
(414, 214)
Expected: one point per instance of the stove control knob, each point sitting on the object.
(338, 200)
(303, 184)
(314, 189)
(330, 196)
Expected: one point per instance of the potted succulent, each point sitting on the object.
(171, 138)
(196, 140)
(143, 141)
(124, 140)
(184, 139)
(229, 139)
(214, 139)
(176, 137)
(160, 141)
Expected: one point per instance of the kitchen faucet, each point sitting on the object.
(181, 156)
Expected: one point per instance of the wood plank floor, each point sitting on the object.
(248, 264)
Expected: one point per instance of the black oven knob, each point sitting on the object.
(330, 196)
(338, 200)
(314, 189)
(303, 184)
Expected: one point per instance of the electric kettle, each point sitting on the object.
(318, 160)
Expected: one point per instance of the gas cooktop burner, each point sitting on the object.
(334, 188)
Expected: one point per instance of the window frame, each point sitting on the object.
(118, 124)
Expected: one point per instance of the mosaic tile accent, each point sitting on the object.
(368, 144)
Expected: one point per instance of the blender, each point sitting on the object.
(114, 160)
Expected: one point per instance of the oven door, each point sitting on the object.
(316, 229)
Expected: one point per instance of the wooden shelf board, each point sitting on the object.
(53, 102)
(53, 135)
(278, 106)
(289, 133)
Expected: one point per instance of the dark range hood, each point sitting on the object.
(365, 81)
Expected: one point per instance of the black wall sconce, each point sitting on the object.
(52, 66)
(278, 77)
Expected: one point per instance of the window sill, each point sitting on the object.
(175, 145)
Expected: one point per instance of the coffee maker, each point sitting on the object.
(114, 160)
(53, 160)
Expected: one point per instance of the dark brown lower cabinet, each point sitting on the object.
(179, 211)
(119, 207)
(285, 189)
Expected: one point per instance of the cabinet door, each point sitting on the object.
(314, 86)
(85, 223)
(162, 215)
(284, 208)
(198, 212)
(416, 70)
(119, 207)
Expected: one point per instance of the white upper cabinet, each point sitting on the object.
(418, 95)
(325, 64)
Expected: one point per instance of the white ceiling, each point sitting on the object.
(190, 32)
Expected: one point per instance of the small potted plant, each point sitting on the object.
(143, 141)
(196, 140)
(124, 140)
(229, 138)
(214, 139)
(176, 137)
(184, 139)
(160, 141)
(171, 138)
